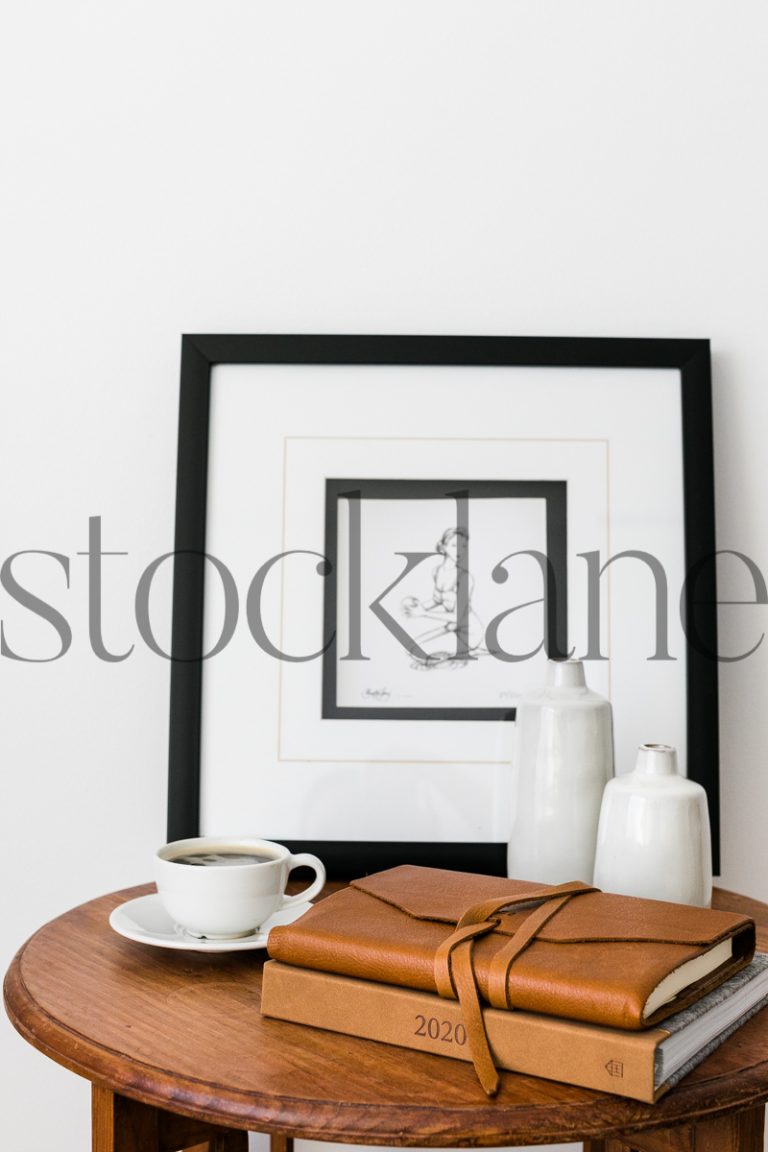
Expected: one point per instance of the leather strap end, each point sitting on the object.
(454, 970)
(466, 988)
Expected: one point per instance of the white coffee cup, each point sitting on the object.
(229, 897)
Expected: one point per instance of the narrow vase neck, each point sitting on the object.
(566, 674)
(657, 760)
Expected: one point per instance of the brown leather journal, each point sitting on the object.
(566, 950)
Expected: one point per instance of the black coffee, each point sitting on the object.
(222, 859)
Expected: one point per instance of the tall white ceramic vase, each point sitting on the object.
(653, 838)
(563, 759)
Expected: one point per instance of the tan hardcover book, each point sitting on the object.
(640, 1065)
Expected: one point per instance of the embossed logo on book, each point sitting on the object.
(615, 1068)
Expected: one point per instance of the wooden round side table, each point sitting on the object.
(179, 1055)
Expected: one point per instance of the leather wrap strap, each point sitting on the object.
(454, 971)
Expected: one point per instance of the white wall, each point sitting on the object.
(513, 166)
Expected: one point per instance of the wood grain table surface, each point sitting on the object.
(178, 1054)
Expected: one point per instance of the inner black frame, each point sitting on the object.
(554, 494)
(201, 353)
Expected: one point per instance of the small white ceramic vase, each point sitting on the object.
(653, 838)
(562, 761)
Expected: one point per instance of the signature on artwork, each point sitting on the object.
(379, 695)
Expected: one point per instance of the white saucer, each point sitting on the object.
(146, 921)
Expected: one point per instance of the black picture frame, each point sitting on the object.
(200, 354)
(554, 495)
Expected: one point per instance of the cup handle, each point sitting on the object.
(317, 884)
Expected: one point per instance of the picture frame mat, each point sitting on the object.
(582, 464)
(254, 779)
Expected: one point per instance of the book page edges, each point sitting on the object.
(687, 974)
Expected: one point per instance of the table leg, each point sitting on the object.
(122, 1125)
(739, 1132)
(230, 1140)
(119, 1124)
(279, 1143)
